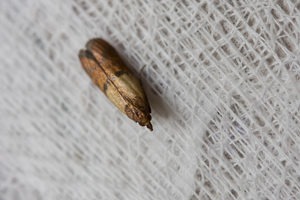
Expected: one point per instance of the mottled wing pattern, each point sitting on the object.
(107, 70)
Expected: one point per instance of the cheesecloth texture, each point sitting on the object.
(222, 78)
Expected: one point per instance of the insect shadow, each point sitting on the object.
(157, 103)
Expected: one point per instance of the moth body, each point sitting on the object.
(107, 70)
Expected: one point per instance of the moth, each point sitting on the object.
(109, 72)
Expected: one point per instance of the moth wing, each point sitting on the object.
(132, 90)
(117, 71)
(121, 87)
(91, 67)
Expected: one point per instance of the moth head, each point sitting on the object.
(139, 115)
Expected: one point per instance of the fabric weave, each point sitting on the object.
(222, 78)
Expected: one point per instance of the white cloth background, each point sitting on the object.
(223, 81)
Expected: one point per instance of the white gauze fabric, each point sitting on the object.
(222, 78)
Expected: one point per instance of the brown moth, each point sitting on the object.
(107, 70)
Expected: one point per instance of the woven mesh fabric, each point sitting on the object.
(222, 78)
